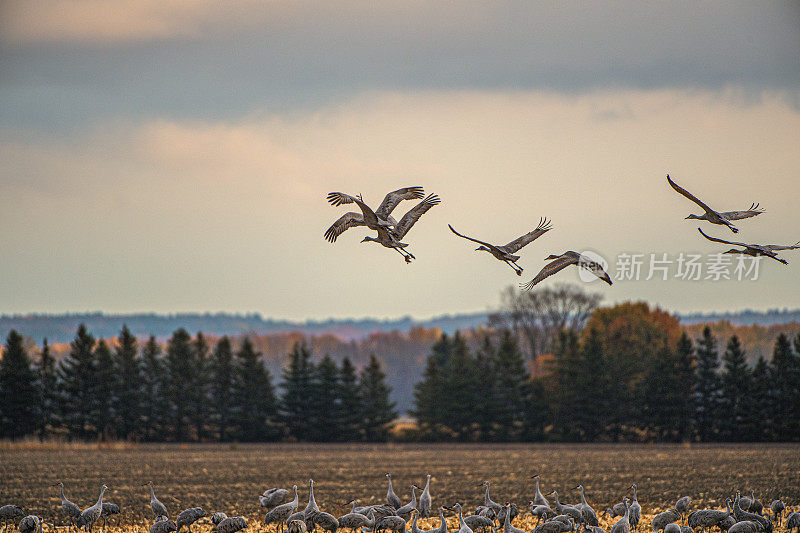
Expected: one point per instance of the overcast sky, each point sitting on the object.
(175, 156)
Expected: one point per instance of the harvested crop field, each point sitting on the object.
(229, 478)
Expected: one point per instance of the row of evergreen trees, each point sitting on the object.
(190, 392)
(678, 393)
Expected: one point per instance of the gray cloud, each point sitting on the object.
(280, 57)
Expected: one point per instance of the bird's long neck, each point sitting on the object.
(486, 499)
(391, 490)
(296, 496)
(442, 523)
(583, 498)
(63, 498)
(538, 493)
(354, 507)
(152, 493)
(427, 483)
(311, 499)
(461, 515)
(100, 499)
(634, 494)
(413, 496)
(414, 522)
(555, 498)
(506, 522)
(626, 516)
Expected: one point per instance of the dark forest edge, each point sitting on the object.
(626, 373)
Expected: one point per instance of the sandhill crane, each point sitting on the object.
(280, 513)
(383, 212)
(442, 523)
(745, 526)
(661, 520)
(109, 509)
(326, 521)
(505, 252)
(158, 508)
(312, 508)
(569, 510)
(353, 520)
(10, 512)
(216, 518)
(487, 501)
(541, 512)
(754, 250)
(554, 526)
(593, 529)
(618, 509)
(30, 524)
(90, 515)
(273, 497)
(189, 517)
(296, 526)
(72, 511)
(636, 510)
(560, 262)
(793, 522)
(391, 237)
(163, 525)
(390, 523)
(744, 502)
(705, 518)
(538, 498)
(414, 526)
(463, 527)
(623, 525)
(392, 498)
(741, 515)
(405, 511)
(777, 507)
(507, 527)
(755, 505)
(672, 527)
(716, 217)
(589, 516)
(232, 524)
(424, 506)
(477, 522)
(682, 505)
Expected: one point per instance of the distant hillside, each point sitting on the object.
(62, 327)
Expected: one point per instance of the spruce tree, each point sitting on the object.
(379, 410)
(324, 404)
(76, 374)
(487, 393)
(103, 386)
(222, 376)
(736, 385)
(254, 396)
(296, 385)
(785, 372)
(659, 405)
(154, 392)
(562, 393)
(47, 384)
(180, 373)
(128, 386)
(685, 368)
(200, 384)
(460, 401)
(431, 391)
(590, 413)
(350, 416)
(760, 419)
(19, 396)
(512, 386)
(707, 387)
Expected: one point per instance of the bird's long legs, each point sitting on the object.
(512, 265)
(406, 255)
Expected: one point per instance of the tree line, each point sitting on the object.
(189, 391)
(631, 374)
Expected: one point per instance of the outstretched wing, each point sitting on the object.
(370, 218)
(778, 247)
(595, 268)
(543, 227)
(339, 198)
(473, 240)
(393, 198)
(738, 215)
(345, 222)
(410, 218)
(723, 241)
(556, 265)
(688, 195)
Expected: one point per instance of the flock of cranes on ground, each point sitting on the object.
(743, 515)
(390, 232)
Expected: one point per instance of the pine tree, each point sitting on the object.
(785, 373)
(379, 410)
(487, 393)
(324, 406)
(590, 413)
(707, 388)
(561, 390)
(200, 384)
(760, 421)
(350, 416)
(103, 391)
(154, 392)
(512, 386)
(296, 385)
(461, 381)
(431, 391)
(76, 375)
(180, 373)
(47, 384)
(685, 368)
(736, 385)
(19, 398)
(659, 405)
(254, 396)
(537, 413)
(222, 376)
(127, 386)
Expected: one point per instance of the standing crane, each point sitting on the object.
(494, 507)
(30, 524)
(232, 524)
(392, 498)
(72, 511)
(424, 506)
(636, 510)
(405, 511)
(280, 513)
(158, 508)
(273, 497)
(312, 509)
(188, 517)
(109, 509)
(589, 516)
(463, 527)
(538, 498)
(777, 507)
(661, 520)
(623, 525)
(682, 505)
(89, 516)
(163, 525)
